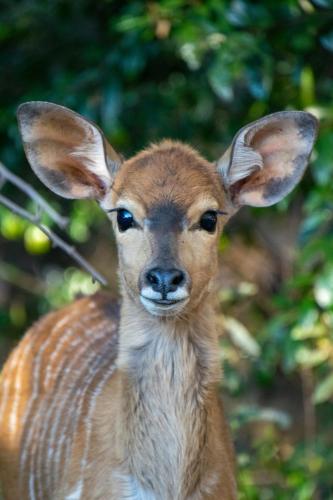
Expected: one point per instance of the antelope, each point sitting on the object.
(105, 402)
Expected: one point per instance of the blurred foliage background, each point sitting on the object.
(196, 71)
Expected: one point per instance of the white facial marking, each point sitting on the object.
(163, 309)
(180, 294)
(148, 293)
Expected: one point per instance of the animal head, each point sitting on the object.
(168, 205)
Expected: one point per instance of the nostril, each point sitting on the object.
(164, 280)
(152, 278)
(178, 278)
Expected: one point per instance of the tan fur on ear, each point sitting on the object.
(67, 152)
(268, 157)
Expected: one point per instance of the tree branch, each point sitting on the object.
(55, 239)
(6, 175)
(21, 279)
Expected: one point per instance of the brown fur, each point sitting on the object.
(164, 392)
(169, 172)
(92, 407)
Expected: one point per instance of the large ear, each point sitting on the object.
(67, 152)
(267, 158)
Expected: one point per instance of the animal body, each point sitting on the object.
(107, 402)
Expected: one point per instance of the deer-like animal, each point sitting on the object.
(97, 403)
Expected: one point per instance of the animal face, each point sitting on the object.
(168, 211)
(167, 204)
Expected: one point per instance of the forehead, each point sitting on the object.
(170, 172)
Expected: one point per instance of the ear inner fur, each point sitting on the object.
(268, 158)
(66, 151)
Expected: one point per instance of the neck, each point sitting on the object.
(169, 370)
(142, 335)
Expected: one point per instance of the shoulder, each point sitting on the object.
(97, 307)
(83, 317)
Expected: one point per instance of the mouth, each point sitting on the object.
(163, 307)
(164, 302)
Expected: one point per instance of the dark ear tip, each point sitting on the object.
(311, 118)
(28, 110)
(315, 123)
(303, 119)
(31, 109)
(308, 124)
(22, 108)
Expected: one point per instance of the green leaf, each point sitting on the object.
(250, 413)
(327, 41)
(220, 80)
(323, 3)
(302, 332)
(311, 357)
(324, 390)
(323, 288)
(307, 87)
(241, 337)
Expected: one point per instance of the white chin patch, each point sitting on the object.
(161, 309)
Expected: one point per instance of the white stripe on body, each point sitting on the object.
(71, 396)
(34, 398)
(43, 418)
(110, 370)
(85, 384)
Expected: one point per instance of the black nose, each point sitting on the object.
(165, 280)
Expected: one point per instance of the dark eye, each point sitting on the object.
(208, 221)
(125, 219)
